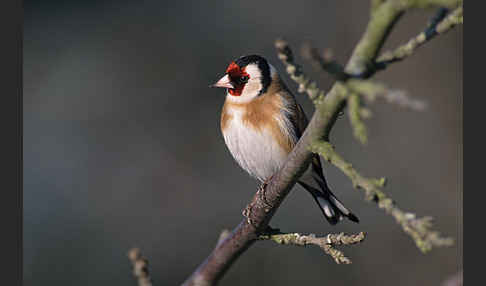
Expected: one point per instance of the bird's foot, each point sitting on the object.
(265, 183)
(261, 194)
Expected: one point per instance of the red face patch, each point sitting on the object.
(236, 74)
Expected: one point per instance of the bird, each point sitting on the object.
(261, 122)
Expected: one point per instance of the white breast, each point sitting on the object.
(254, 150)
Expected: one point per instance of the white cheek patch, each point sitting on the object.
(253, 71)
(253, 86)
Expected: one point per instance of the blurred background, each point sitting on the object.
(122, 145)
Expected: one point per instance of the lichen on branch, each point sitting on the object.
(370, 90)
(418, 228)
(359, 128)
(347, 91)
(295, 71)
(326, 243)
(439, 25)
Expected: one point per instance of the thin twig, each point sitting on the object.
(372, 90)
(326, 243)
(439, 24)
(326, 62)
(369, 89)
(295, 71)
(418, 228)
(140, 267)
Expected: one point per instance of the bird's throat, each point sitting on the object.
(236, 91)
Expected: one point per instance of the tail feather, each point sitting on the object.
(333, 210)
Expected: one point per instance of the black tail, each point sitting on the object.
(333, 210)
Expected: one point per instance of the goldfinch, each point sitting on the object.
(261, 122)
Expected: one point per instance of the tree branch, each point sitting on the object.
(374, 5)
(295, 71)
(225, 233)
(418, 228)
(371, 90)
(379, 26)
(440, 24)
(326, 62)
(326, 243)
(359, 128)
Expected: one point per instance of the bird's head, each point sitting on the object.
(246, 78)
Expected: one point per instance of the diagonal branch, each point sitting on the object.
(354, 111)
(374, 5)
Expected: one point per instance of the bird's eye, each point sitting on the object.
(243, 79)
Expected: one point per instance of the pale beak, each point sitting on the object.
(225, 82)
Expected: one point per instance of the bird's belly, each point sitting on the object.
(256, 151)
